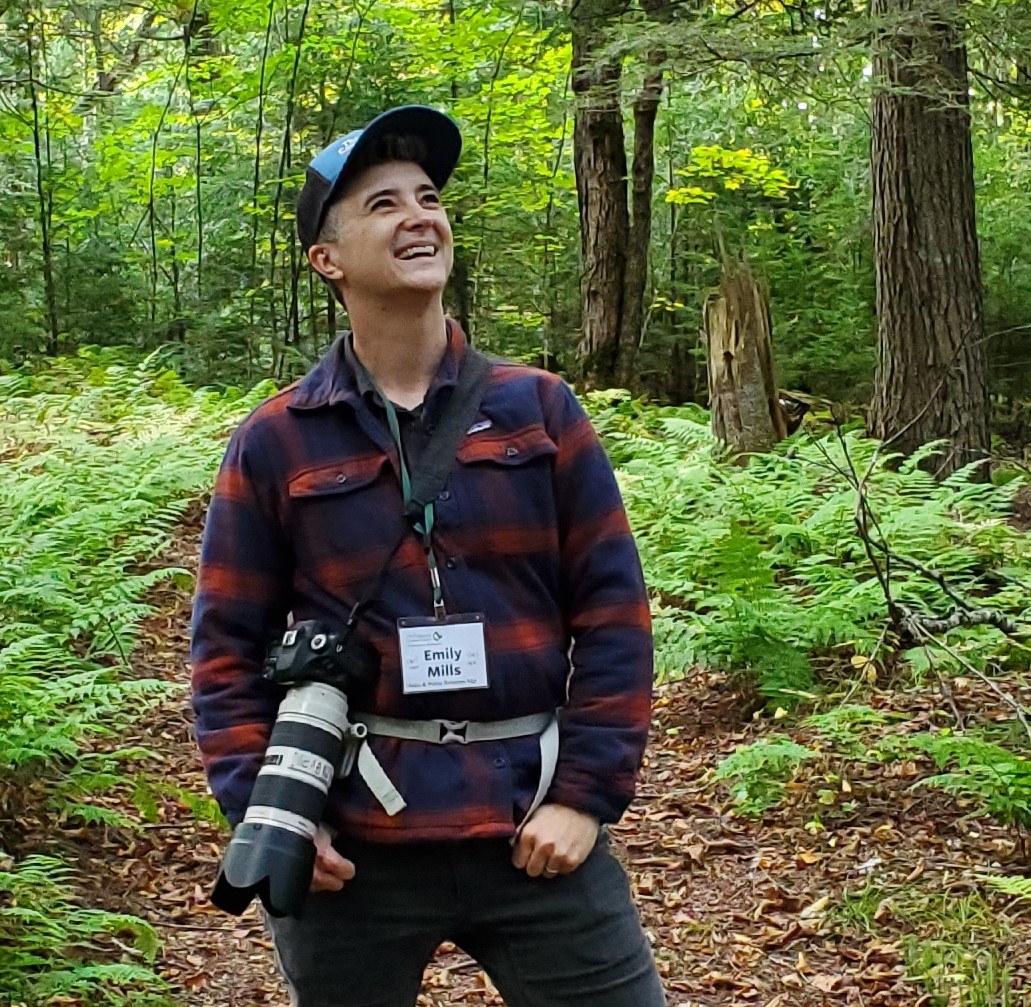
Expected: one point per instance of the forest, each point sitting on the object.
(781, 252)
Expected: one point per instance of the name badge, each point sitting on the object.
(443, 655)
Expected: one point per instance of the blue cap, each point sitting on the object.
(328, 170)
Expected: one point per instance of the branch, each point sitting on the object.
(959, 617)
(1012, 703)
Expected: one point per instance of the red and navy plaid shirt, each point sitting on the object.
(530, 531)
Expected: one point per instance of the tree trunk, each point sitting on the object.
(931, 370)
(599, 159)
(44, 193)
(746, 412)
(635, 277)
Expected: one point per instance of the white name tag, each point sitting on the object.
(441, 656)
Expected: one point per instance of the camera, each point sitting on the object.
(272, 851)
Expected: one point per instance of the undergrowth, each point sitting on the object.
(100, 459)
(756, 569)
(759, 570)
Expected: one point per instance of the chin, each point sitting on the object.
(423, 284)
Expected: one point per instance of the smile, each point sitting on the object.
(417, 251)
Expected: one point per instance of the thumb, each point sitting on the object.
(335, 863)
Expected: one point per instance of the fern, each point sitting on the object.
(1009, 885)
(757, 773)
(997, 780)
(50, 947)
(758, 569)
(102, 455)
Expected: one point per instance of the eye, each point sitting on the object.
(431, 198)
(381, 204)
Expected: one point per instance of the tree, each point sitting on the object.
(615, 231)
(601, 169)
(931, 371)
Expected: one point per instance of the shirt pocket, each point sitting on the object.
(503, 488)
(343, 515)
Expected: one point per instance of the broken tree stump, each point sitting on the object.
(746, 411)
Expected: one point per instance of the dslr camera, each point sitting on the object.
(272, 852)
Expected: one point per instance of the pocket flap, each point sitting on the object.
(337, 477)
(507, 449)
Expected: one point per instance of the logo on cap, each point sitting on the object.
(345, 148)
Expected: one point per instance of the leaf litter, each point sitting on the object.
(816, 903)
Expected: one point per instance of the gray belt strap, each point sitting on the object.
(446, 732)
(461, 732)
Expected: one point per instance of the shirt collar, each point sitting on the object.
(339, 377)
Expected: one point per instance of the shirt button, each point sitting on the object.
(444, 495)
(500, 763)
(341, 478)
(452, 562)
(511, 452)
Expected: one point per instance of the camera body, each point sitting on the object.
(272, 851)
(308, 652)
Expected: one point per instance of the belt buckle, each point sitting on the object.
(453, 730)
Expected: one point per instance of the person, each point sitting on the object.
(498, 846)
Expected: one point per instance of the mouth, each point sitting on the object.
(417, 252)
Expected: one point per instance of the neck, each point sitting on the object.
(402, 350)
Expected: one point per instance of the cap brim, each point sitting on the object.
(438, 132)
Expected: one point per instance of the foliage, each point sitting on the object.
(96, 474)
(101, 457)
(154, 173)
(954, 949)
(759, 771)
(51, 948)
(1019, 887)
(760, 567)
(996, 779)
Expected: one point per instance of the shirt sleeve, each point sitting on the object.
(239, 608)
(604, 725)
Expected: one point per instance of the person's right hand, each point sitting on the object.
(332, 870)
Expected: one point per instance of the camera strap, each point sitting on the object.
(422, 486)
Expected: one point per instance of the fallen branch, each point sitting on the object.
(960, 617)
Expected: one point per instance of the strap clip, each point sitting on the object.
(453, 730)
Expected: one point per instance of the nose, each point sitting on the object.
(418, 215)
(419, 218)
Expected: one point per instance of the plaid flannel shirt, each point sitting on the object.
(530, 531)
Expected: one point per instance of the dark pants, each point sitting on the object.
(545, 942)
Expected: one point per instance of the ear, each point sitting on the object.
(325, 260)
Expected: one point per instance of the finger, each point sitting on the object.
(332, 862)
(542, 855)
(324, 882)
(523, 849)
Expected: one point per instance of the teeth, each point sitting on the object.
(409, 253)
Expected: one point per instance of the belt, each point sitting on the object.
(454, 732)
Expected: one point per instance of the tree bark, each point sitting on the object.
(599, 160)
(746, 412)
(635, 277)
(931, 371)
(44, 192)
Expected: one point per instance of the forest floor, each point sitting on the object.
(877, 900)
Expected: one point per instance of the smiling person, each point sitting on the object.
(511, 731)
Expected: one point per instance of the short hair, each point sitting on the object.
(383, 150)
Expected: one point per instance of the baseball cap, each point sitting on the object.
(328, 170)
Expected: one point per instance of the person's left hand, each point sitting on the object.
(556, 840)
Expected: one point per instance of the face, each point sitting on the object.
(388, 236)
